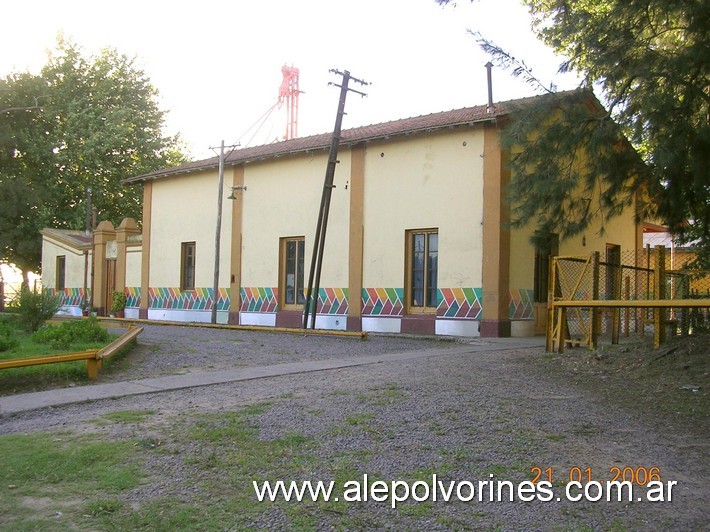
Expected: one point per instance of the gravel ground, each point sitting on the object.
(464, 417)
(179, 350)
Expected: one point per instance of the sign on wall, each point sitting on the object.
(111, 249)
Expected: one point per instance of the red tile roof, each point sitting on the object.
(349, 137)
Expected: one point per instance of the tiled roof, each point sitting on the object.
(349, 137)
(77, 239)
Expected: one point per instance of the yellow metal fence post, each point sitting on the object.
(627, 311)
(616, 313)
(561, 328)
(93, 366)
(596, 313)
(659, 314)
(549, 336)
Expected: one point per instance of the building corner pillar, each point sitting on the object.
(145, 250)
(495, 319)
(124, 232)
(356, 238)
(103, 234)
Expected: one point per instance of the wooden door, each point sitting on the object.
(110, 284)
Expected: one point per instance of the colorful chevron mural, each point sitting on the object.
(265, 299)
(133, 297)
(460, 303)
(71, 297)
(382, 301)
(333, 301)
(259, 299)
(521, 304)
(463, 303)
(176, 299)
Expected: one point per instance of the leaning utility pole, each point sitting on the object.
(311, 304)
(218, 232)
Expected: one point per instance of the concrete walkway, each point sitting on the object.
(31, 401)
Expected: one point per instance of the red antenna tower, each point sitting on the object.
(288, 92)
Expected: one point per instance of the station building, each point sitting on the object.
(418, 237)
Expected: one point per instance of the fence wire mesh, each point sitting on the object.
(628, 276)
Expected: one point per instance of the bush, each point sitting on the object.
(119, 302)
(36, 308)
(71, 332)
(7, 337)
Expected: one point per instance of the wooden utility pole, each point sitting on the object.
(311, 304)
(218, 231)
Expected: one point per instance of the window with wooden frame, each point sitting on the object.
(422, 271)
(291, 287)
(61, 272)
(187, 266)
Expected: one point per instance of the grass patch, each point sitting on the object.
(359, 419)
(27, 347)
(555, 437)
(70, 337)
(55, 472)
(103, 507)
(417, 510)
(383, 396)
(127, 416)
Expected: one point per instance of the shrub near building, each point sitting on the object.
(72, 332)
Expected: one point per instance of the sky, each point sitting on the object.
(217, 64)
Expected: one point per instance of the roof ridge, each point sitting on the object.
(399, 126)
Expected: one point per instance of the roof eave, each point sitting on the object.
(317, 147)
(66, 239)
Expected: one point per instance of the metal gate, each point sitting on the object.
(572, 279)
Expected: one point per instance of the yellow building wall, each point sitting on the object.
(74, 270)
(282, 200)
(420, 183)
(184, 209)
(618, 231)
(133, 266)
(522, 259)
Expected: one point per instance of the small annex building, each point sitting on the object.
(418, 237)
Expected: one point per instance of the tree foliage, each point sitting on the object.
(23, 137)
(83, 122)
(570, 164)
(650, 60)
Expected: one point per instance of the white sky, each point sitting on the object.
(217, 64)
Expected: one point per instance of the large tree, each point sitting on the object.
(24, 169)
(83, 122)
(650, 62)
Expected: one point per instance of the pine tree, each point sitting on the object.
(650, 61)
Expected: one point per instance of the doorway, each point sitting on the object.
(110, 284)
(545, 248)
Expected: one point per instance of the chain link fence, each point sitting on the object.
(654, 274)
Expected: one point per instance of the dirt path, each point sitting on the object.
(463, 417)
